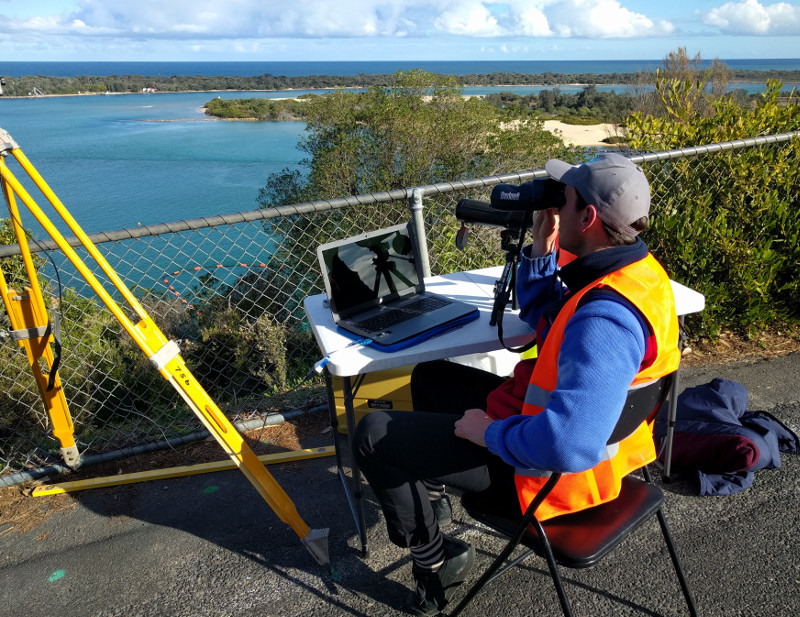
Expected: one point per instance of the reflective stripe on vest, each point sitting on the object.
(537, 396)
(611, 451)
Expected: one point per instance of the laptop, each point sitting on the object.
(375, 290)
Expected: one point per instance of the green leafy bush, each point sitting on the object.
(236, 356)
(727, 224)
(419, 131)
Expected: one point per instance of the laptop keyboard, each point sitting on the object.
(394, 316)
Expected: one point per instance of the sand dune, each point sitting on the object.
(587, 136)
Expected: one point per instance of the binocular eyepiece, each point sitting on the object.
(539, 194)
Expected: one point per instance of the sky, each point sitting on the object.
(317, 30)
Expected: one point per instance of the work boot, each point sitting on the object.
(435, 589)
(443, 510)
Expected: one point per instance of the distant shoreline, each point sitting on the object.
(548, 86)
(156, 93)
(234, 68)
(88, 85)
(581, 135)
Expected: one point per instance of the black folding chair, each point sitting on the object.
(580, 540)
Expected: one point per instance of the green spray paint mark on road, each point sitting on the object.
(55, 576)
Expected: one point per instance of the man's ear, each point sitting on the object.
(589, 217)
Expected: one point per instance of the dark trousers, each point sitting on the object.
(396, 450)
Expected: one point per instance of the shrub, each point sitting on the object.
(727, 224)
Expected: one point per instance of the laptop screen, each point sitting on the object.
(368, 269)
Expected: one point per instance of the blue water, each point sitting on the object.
(120, 161)
(124, 160)
(293, 69)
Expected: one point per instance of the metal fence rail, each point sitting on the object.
(229, 289)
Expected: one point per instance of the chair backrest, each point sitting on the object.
(643, 403)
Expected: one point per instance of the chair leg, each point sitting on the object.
(676, 562)
(488, 574)
(554, 573)
(513, 542)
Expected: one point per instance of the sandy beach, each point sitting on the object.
(585, 136)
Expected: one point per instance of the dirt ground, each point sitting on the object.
(19, 512)
(730, 347)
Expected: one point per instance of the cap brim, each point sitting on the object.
(559, 170)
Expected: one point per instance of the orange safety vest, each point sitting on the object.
(645, 284)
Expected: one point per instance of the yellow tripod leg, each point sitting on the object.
(165, 356)
(30, 328)
(33, 335)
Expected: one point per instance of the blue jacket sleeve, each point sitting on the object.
(603, 347)
(536, 286)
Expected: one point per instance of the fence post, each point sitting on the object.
(418, 224)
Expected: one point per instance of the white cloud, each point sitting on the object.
(471, 18)
(233, 19)
(253, 26)
(752, 17)
(602, 19)
(530, 20)
(247, 19)
(549, 18)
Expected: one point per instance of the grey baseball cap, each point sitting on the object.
(611, 183)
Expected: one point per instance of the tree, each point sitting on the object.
(699, 86)
(548, 99)
(418, 131)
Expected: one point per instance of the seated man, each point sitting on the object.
(605, 322)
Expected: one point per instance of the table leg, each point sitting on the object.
(353, 490)
(671, 417)
(334, 419)
(358, 491)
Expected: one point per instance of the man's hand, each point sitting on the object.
(545, 232)
(472, 426)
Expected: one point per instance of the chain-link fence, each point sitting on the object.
(230, 291)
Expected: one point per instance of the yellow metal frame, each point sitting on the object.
(27, 313)
(175, 472)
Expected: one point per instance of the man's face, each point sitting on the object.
(569, 222)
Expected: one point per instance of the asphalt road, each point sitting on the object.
(209, 546)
